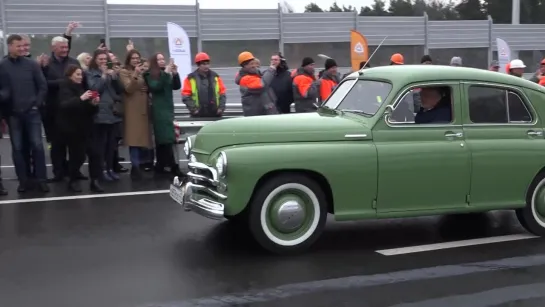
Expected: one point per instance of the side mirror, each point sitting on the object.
(388, 111)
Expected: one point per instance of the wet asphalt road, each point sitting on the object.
(143, 250)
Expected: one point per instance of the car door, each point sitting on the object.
(421, 167)
(505, 137)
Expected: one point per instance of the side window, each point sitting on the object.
(492, 105)
(424, 105)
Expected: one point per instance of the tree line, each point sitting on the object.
(531, 11)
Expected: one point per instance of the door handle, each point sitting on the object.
(535, 133)
(454, 134)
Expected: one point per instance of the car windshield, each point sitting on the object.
(359, 96)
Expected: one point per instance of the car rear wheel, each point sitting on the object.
(288, 213)
(532, 216)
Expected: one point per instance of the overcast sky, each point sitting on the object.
(298, 5)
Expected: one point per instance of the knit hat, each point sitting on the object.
(330, 63)
(426, 58)
(307, 61)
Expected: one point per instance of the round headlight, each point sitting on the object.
(187, 147)
(221, 164)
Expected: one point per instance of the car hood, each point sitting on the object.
(301, 127)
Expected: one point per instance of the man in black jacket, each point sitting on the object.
(24, 90)
(282, 83)
(43, 60)
(53, 69)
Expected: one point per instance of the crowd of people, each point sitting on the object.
(90, 104)
(87, 105)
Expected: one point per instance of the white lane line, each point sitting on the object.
(87, 196)
(86, 163)
(453, 244)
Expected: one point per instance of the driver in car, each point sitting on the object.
(435, 107)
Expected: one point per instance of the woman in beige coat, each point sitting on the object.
(136, 118)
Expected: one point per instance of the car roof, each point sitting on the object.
(407, 74)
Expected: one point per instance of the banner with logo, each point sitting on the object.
(359, 50)
(179, 48)
(504, 54)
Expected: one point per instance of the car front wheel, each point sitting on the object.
(532, 216)
(288, 213)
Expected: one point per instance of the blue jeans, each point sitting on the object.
(27, 126)
(137, 154)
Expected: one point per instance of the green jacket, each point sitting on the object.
(162, 105)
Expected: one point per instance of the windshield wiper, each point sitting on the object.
(330, 109)
(355, 111)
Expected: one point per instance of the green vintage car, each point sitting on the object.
(390, 142)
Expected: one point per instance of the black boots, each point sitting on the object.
(74, 186)
(95, 186)
(136, 173)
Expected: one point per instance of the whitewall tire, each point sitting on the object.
(288, 213)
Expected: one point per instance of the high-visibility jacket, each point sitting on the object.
(305, 91)
(326, 85)
(257, 96)
(203, 100)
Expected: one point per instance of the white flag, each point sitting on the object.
(179, 48)
(504, 54)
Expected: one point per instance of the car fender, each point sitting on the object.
(350, 168)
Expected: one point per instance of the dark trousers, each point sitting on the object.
(27, 156)
(148, 156)
(78, 148)
(104, 141)
(165, 156)
(59, 149)
(29, 125)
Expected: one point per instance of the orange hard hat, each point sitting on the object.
(201, 56)
(397, 58)
(542, 81)
(507, 67)
(245, 56)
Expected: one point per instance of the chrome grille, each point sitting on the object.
(203, 175)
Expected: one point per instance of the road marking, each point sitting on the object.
(86, 163)
(494, 297)
(86, 196)
(357, 282)
(453, 244)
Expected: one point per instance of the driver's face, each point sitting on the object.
(430, 97)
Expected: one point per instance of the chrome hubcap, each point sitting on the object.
(290, 215)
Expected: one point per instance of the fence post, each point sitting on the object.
(356, 20)
(280, 29)
(490, 39)
(5, 31)
(426, 49)
(106, 24)
(198, 25)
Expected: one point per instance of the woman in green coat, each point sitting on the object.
(162, 79)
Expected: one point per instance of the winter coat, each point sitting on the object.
(110, 90)
(75, 117)
(162, 105)
(136, 110)
(281, 85)
(305, 91)
(258, 98)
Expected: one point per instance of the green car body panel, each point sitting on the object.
(377, 170)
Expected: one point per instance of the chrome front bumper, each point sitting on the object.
(185, 195)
